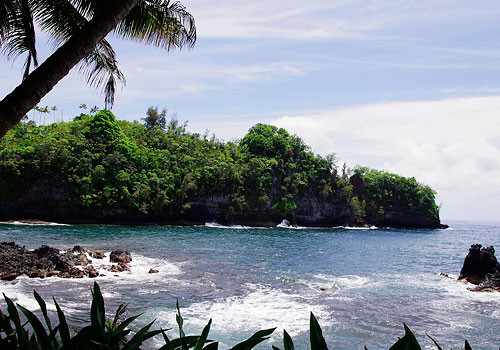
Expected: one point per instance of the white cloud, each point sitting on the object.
(189, 78)
(279, 19)
(451, 145)
(318, 19)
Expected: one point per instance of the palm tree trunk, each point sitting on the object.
(41, 81)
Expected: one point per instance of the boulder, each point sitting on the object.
(72, 273)
(478, 263)
(91, 272)
(51, 258)
(77, 256)
(47, 261)
(119, 267)
(97, 254)
(120, 256)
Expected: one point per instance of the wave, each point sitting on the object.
(32, 223)
(286, 224)
(214, 224)
(360, 227)
(259, 307)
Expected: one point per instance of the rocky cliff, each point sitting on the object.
(48, 200)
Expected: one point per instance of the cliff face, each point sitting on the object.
(402, 216)
(46, 200)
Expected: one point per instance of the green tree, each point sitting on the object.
(80, 27)
(154, 118)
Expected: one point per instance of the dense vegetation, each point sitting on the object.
(158, 167)
(107, 334)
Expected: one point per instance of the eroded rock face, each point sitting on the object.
(48, 261)
(97, 254)
(478, 263)
(481, 268)
(16, 261)
(120, 256)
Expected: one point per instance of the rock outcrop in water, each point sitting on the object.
(481, 268)
(47, 261)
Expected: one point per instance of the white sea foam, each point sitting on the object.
(260, 307)
(13, 291)
(139, 273)
(214, 224)
(32, 223)
(286, 224)
(361, 227)
(339, 283)
(461, 292)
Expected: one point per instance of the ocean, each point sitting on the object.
(361, 284)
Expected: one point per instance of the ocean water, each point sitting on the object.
(362, 285)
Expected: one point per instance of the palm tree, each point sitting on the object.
(54, 110)
(79, 27)
(94, 110)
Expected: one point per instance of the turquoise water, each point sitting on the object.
(361, 284)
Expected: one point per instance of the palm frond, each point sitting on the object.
(17, 32)
(159, 23)
(101, 69)
(60, 19)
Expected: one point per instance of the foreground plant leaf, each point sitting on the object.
(255, 339)
(435, 342)
(203, 338)
(408, 342)
(63, 327)
(40, 332)
(316, 335)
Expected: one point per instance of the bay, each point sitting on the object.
(361, 284)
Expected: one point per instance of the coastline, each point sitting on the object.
(210, 223)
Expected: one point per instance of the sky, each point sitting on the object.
(406, 86)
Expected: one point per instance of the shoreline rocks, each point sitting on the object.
(48, 261)
(481, 268)
(120, 256)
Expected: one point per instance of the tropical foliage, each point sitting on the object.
(160, 168)
(78, 28)
(382, 190)
(114, 334)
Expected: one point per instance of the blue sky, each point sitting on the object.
(407, 86)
